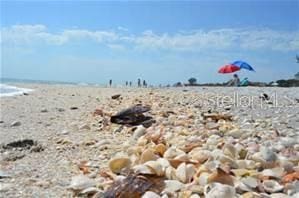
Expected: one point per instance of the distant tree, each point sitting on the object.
(192, 81)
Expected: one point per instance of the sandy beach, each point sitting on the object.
(72, 134)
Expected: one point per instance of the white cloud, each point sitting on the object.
(196, 40)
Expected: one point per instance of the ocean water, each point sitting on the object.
(8, 90)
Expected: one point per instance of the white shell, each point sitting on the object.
(272, 186)
(217, 190)
(171, 153)
(150, 194)
(140, 131)
(275, 172)
(81, 182)
(184, 173)
(156, 166)
(172, 186)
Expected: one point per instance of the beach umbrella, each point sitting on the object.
(243, 65)
(228, 69)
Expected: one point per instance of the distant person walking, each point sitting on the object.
(139, 82)
(110, 82)
(130, 83)
(126, 83)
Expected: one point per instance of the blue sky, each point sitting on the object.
(162, 42)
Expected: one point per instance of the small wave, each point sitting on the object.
(8, 90)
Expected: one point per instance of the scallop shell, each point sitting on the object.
(156, 166)
(222, 177)
(143, 169)
(170, 173)
(184, 173)
(272, 186)
(160, 149)
(148, 155)
(117, 164)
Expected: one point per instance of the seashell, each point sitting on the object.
(172, 186)
(288, 141)
(279, 195)
(150, 194)
(194, 196)
(203, 179)
(139, 131)
(227, 160)
(117, 164)
(247, 184)
(230, 151)
(235, 133)
(200, 155)
(184, 194)
(182, 157)
(244, 172)
(164, 162)
(274, 172)
(287, 166)
(272, 186)
(89, 191)
(184, 173)
(160, 149)
(135, 150)
(195, 188)
(222, 177)
(290, 177)
(148, 155)
(292, 188)
(143, 169)
(156, 166)
(246, 164)
(171, 153)
(81, 182)
(268, 155)
(170, 173)
(217, 190)
(251, 195)
(213, 140)
(181, 173)
(142, 141)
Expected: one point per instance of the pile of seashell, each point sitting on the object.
(223, 165)
(192, 154)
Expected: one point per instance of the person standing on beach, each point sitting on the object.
(130, 83)
(144, 83)
(126, 83)
(139, 82)
(110, 82)
(235, 81)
